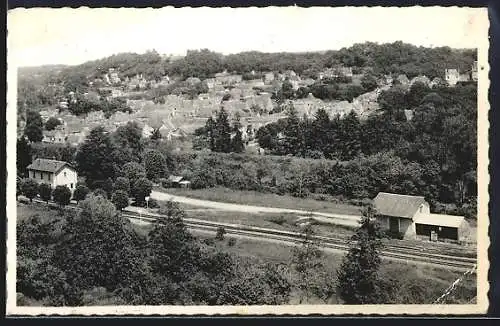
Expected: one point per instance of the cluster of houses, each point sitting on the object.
(249, 97)
(454, 76)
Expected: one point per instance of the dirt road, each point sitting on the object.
(343, 219)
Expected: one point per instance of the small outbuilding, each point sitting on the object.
(410, 217)
(175, 181)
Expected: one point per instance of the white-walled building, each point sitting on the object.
(410, 216)
(54, 173)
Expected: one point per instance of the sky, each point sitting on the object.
(40, 36)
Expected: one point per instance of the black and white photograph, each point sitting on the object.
(247, 160)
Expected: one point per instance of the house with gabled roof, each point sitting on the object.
(54, 173)
(410, 217)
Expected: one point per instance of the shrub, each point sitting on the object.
(120, 199)
(153, 203)
(62, 195)
(81, 192)
(209, 242)
(122, 183)
(29, 188)
(221, 231)
(393, 235)
(100, 192)
(231, 242)
(280, 220)
(164, 182)
(45, 192)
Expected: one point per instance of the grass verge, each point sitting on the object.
(265, 199)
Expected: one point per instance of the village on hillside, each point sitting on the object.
(340, 177)
(177, 116)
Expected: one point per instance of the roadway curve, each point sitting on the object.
(343, 219)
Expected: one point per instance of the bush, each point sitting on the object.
(81, 192)
(209, 242)
(164, 182)
(120, 199)
(100, 192)
(393, 235)
(29, 188)
(122, 183)
(231, 242)
(153, 203)
(62, 195)
(280, 220)
(221, 231)
(45, 192)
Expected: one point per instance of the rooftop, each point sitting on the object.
(452, 221)
(46, 165)
(397, 205)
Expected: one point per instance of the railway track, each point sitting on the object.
(390, 251)
(394, 252)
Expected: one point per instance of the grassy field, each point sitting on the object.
(44, 212)
(283, 221)
(266, 200)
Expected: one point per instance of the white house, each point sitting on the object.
(52, 172)
(410, 216)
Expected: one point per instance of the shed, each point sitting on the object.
(410, 217)
(175, 181)
(445, 226)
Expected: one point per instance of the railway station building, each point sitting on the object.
(410, 217)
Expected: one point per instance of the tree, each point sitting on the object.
(23, 155)
(369, 82)
(95, 158)
(80, 193)
(120, 199)
(45, 192)
(171, 210)
(122, 183)
(110, 256)
(308, 263)
(222, 133)
(292, 132)
(349, 136)
(237, 142)
(155, 164)
(141, 188)
(100, 193)
(29, 188)
(129, 136)
(133, 171)
(19, 184)
(237, 145)
(357, 279)
(34, 126)
(52, 123)
(220, 233)
(62, 195)
(322, 132)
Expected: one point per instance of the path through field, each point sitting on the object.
(340, 219)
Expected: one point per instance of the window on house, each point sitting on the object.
(64, 173)
(71, 186)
